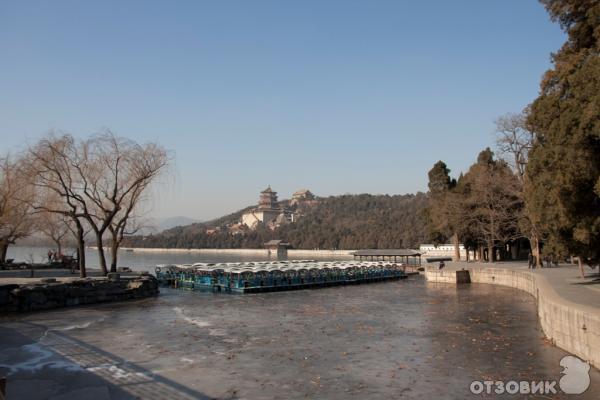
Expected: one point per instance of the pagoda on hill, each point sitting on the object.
(268, 212)
(268, 199)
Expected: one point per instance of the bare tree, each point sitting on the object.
(124, 224)
(55, 226)
(123, 171)
(95, 179)
(489, 202)
(514, 140)
(16, 218)
(53, 163)
(498, 204)
(74, 235)
(128, 221)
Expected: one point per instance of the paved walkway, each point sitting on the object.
(564, 279)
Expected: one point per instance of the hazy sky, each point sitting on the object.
(334, 96)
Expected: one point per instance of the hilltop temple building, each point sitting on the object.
(268, 212)
(302, 197)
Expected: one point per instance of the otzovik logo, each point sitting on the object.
(576, 375)
(575, 380)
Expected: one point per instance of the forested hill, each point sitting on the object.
(337, 222)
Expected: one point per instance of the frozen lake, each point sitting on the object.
(404, 339)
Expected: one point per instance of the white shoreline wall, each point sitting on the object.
(291, 252)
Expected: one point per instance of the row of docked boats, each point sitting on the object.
(252, 277)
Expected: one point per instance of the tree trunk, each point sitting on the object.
(3, 251)
(80, 248)
(456, 244)
(480, 253)
(490, 251)
(581, 272)
(114, 254)
(514, 250)
(101, 256)
(82, 270)
(491, 240)
(58, 246)
(534, 243)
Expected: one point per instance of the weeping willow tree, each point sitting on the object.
(17, 220)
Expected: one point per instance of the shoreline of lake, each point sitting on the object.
(146, 259)
(291, 252)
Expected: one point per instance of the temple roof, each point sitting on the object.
(301, 192)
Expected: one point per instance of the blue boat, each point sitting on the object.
(267, 276)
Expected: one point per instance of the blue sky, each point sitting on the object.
(335, 96)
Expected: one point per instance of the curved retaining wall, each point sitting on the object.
(571, 326)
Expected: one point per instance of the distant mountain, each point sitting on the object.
(336, 222)
(158, 225)
(172, 222)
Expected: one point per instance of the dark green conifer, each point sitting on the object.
(562, 179)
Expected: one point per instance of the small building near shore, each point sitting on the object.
(278, 247)
(442, 251)
(407, 256)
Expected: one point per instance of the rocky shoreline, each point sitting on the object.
(50, 293)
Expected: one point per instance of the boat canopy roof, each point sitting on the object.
(277, 266)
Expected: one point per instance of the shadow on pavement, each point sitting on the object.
(50, 364)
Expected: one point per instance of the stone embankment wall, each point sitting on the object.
(247, 252)
(571, 326)
(43, 296)
(440, 276)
